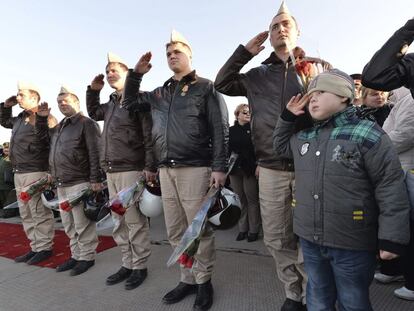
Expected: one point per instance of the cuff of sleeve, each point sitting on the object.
(135, 75)
(409, 25)
(288, 116)
(89, 90)
(392, 247)
(41, 119)
(243, 52)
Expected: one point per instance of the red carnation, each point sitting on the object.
(25, 197)
(183, 259)
(118, 208)
(189, 263)
(65, 206)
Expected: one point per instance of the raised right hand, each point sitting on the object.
(254, 46)
(297, 104)
(98, 83)
(43, 110)
(143, 65)
(10, 102)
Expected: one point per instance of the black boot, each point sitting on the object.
(204, 298)
(81, 267)
(67, 265)
(25, 257)
(241, 236)
(292, 305)
(119, 276)
(136, 278)
(179, 293)
(252, 237)
(39, 257)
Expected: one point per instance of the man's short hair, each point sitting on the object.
(178, 42)
(120, 64)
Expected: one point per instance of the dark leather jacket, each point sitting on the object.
(27, 153)
(126, 137)
(389, 68)
(268, 88)
(74, 151)
(190, 120)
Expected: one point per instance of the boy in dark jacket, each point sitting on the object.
(350, 194)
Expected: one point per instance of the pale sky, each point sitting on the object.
(50, 43)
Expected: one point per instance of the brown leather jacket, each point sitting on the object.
(74, 151)
(126, 137)
(27, 153)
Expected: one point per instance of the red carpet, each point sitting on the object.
(13, 243)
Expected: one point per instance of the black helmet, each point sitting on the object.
(50, 199)
(94, 205)
(225, 213)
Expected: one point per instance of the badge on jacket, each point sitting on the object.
(304, 149)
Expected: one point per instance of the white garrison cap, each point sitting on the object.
(178, 37)
(22, 85)
(113, 58)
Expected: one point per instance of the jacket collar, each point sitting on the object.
(273, 59)
(189, 78)
(340, 118)
(73, 119)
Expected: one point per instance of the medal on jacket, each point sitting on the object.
(184, 90)
(304, 149)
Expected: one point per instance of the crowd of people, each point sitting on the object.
(325, 165)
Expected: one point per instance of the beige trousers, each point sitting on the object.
(276, 190)
(131, 231)
(37, 220)
(80, 230)
(183, 190)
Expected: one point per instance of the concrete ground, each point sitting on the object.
(244, 279)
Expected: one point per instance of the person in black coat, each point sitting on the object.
(242, 177)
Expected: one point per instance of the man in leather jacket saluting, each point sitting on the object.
(268, 89)
(74, 166)
(190, 132)
(29, 159)
(126, 153)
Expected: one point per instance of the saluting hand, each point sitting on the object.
(296, 104)
(143, 65)
(10, 102)
(255, 45)
(43, 110)
(98, 83)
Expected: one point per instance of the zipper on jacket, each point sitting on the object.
(168, 117)
(54, 149)
(12, 139)
(284, 85)
(106, 132)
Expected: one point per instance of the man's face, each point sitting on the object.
(26, 99)
(323, 105)
(6, 151)
(375, 99)
(68, 105)
(116, 75)
(178, 57)
(283, 32)
(358, 86)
